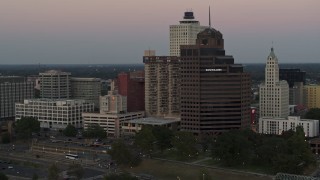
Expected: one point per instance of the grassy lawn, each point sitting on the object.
(167, 170)
(172, 155)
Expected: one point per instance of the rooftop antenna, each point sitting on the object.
(209, 18)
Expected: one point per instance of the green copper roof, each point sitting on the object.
(272, 54)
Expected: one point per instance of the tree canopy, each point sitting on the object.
(313, 113)
(122, 154)
(70, 131)
(289, 153)
(95, 131)
(145, 139)
(3, 176)
(185, 144)
(26, 126)
(5, 138)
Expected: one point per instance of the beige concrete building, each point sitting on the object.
(274, 94)
(110, 122)
(88, 89)
(184, 33)
(113, 103)
(162, 86)
(113, 111)
(55, 84)
(54, 114)
(312, 96)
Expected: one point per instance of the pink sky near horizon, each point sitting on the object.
(51, 24)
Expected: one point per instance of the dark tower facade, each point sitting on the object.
(215, 92)
(292, 76)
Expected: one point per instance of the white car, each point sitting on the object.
(10, 167)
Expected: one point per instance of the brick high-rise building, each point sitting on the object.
(162, 86)
(131, 85)
(215, 92)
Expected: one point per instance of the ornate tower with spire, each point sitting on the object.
(274, 94)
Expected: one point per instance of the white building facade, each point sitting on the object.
(279, 125)
(184, 33)
(54, 114)
(274, 94)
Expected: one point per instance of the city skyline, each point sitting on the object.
(101, 32)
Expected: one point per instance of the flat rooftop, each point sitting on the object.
(153, 121)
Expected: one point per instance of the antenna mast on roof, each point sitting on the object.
(209, 18)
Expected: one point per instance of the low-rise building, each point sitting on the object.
(279, 125)
(110, 122)
(113, 111)
(131, 127)
(54, 114)
(312, 96)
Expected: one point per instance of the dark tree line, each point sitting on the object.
(289, 153)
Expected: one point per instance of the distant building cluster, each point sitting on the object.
(197, 88)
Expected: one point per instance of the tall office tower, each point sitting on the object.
(312, 96)
(88, 89)
(215, 92)
(131, 85)
(13, 89)
(274, 94)
(296, 79)
(184, 33)
(162, 86)
(55, 84)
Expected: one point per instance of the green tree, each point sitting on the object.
(35, 176)
(5, 138)
(145, 139)
(70, 131)
(76, 170)
(95, 131)
(120, 153)
(233, 148)
(124, 176)
(185, 144)
(163, 137)
(3, 176)
(26, 126)
(313, 113)
(53, 172)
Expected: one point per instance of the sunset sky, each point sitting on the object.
(118, 31)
